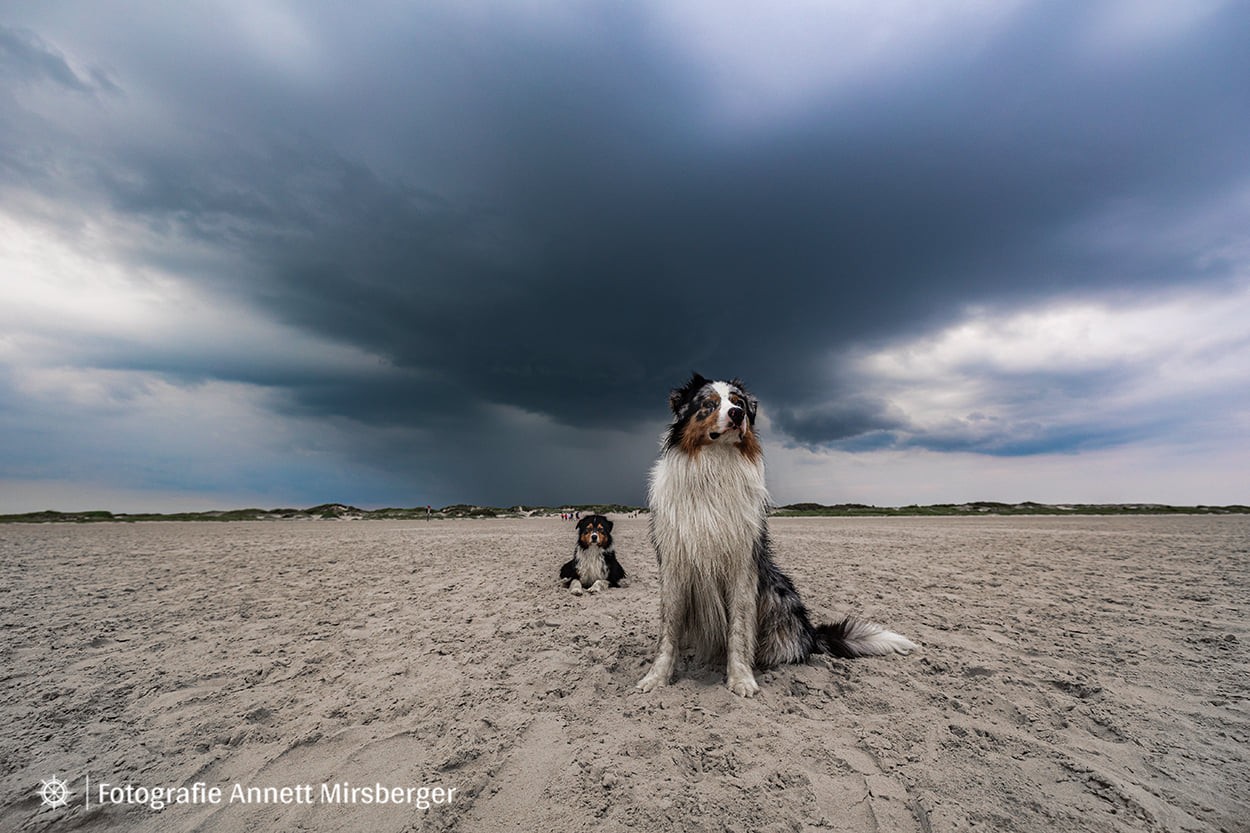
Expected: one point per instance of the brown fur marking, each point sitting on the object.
(749, 445)
(695, 435)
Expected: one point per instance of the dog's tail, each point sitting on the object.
(854, 638)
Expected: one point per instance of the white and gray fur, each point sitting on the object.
(592, 571)
(720, 591)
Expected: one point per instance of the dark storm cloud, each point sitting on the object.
(557, 217)
(620, 237)
(850, 416)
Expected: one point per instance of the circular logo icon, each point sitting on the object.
(54, 792)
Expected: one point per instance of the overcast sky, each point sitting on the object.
(396, 253)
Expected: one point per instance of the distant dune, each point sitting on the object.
(345, 512)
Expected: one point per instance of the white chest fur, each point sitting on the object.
(707, 509)
(591, 566)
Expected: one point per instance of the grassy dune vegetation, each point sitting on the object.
(340, 511)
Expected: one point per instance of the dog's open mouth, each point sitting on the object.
(716, 435)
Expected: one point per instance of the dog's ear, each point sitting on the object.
(753, 404)
(582, 524)
(677, 396)
(607, 525)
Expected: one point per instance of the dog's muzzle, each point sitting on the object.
(734, 416)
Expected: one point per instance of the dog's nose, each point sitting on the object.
(735, 416)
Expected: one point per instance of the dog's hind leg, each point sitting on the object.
(616, 573)
(785, 632)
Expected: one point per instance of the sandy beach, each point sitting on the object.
(1076, 674)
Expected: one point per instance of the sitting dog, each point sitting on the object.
(719, 588)
(594, 566)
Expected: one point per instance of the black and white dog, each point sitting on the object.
(594, 566)
(720, 591)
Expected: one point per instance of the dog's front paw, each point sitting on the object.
(575, 587)
(650, 682)
(598, 586)
(744, 685)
